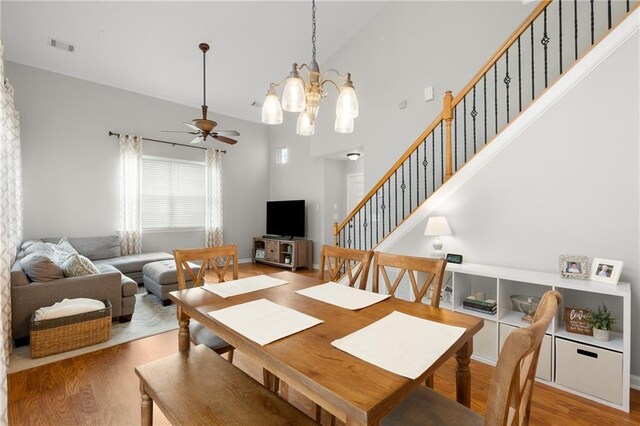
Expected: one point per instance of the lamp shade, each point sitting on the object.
(271, 110)
(304, 126)
(437, 226)
(347, 105)
(293, 97)
(344, 124)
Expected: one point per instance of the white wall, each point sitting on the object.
(404, 48)
(570, 184)
(71, 164)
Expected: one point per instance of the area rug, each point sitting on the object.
(149, 318)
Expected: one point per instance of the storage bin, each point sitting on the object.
(63, 334)
(544, 361)
(589, 369)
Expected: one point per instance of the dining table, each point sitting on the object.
(351, 389)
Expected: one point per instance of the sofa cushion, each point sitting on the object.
(40, 267)
(164, 271)
(129, 286)
(96, 248)
(76, 265)
(134, 262)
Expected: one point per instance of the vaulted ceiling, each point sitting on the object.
(152, 47)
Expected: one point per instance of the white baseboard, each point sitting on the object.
(635, 382)
(244, 260)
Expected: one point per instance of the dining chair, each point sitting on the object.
(411, 266)
(218, 260)
(510, 391)
(341, 261)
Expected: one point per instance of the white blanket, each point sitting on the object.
(67, 308)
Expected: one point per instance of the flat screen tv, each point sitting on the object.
(285, 218)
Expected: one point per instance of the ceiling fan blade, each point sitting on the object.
(227, 132)
(180, 131)
(198, 140)
(191, 126)
(225, 139)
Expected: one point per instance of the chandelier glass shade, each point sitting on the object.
(304, 96)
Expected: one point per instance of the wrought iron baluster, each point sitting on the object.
(403, 187)
(575, 29)
(377, 216)
(464, 125)
(370, 223)
(455, 136)
(495, 98)
(484, 99)
(560, 30)
(627, 5)
(609, 13)
(359, 229)
(474, 114)
(382, 207)
(545, 42)
(441, 152)
(395, 174)
(507, 81)
(519, 77)
(592, 39)
(408, 161)
(417, 177)
(349, 225)
(533, 69)
(424, 164)
(433, 161)
(389, 204)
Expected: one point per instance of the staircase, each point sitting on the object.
(537, 55)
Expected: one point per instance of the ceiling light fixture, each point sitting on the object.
(304, 97)
(353, 156)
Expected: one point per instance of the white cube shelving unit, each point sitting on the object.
(567, 359)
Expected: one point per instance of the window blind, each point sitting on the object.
(173, 194)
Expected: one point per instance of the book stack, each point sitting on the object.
(488, 306)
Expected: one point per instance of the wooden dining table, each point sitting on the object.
(353, 390)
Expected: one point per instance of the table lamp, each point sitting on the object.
(437, 226)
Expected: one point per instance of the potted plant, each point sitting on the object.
(602, 321)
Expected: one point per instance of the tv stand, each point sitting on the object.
(283, 252)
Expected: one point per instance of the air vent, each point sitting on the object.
(59, 44)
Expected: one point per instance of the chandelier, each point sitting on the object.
(305, 96)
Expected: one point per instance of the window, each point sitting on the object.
(282, 155)
(173, 194)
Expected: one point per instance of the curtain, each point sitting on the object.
(213, 198)
(130, 194)
(10, 219)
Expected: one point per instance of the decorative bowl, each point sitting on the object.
(525, 304)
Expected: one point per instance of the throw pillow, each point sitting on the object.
(41, 268)
(76, 265)
(64, 245)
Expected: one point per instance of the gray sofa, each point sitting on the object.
(117, 281)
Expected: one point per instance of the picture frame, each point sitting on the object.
(260, 253)
(574, 267)
(606, 270)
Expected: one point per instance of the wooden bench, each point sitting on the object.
(199, 387)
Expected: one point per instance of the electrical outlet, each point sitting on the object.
(402, 104)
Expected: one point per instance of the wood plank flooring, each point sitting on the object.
(101, 388)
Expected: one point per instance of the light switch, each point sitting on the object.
(428, 94)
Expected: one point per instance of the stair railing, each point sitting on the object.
(550, 40)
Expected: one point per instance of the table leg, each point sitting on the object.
(184, 339)
(271, 382)
(146, 408)
(463, 374)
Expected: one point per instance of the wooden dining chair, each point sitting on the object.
(511, 389)
(217, 260)
(339, 261)
(411, 266)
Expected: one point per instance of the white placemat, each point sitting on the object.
(400, 343)
(243, 285)
(343, 296)
(264, 321)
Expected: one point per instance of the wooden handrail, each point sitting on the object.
(496, 56)
(391, 171)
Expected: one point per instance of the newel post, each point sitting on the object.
(447, 115)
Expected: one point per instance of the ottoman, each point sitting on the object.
(160, 278)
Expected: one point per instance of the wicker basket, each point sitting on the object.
(57, 335)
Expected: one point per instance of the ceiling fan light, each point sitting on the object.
(343, 124)
(271, 110)
(304, 126)
(347, 105)
(293, 97)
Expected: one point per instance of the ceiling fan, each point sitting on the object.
(202, 126)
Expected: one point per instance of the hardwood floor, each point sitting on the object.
(101, 387)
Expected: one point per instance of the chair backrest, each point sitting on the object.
(342, 261)
(511, 389)
(434, 268)
(216, 259)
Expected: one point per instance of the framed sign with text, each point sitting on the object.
(577, 322)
